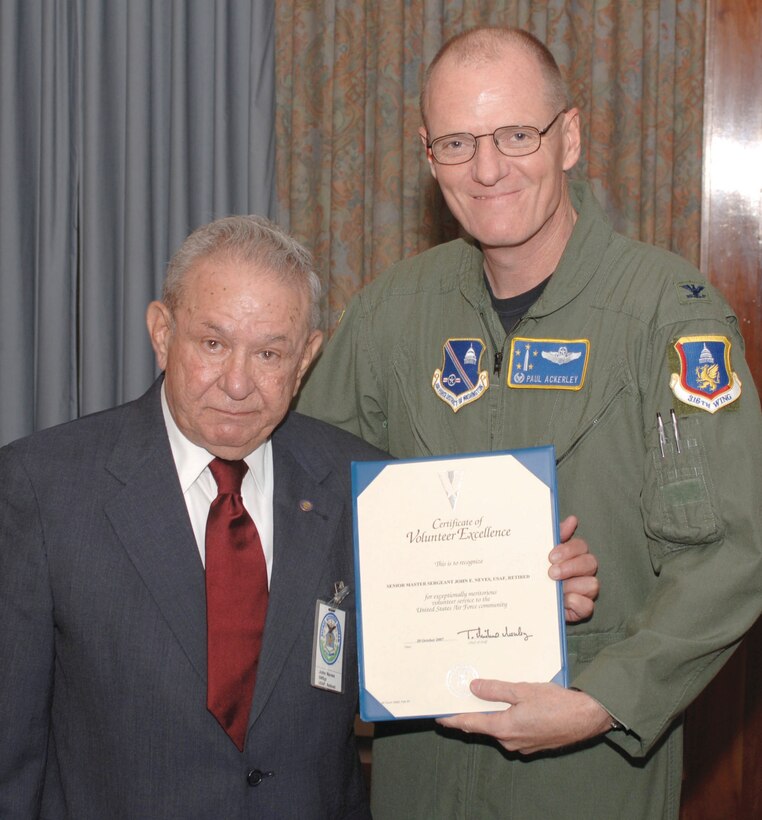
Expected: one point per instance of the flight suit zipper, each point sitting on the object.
(498, 351)
(496, 413)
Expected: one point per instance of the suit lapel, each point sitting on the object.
(150, 519)
(302, 539)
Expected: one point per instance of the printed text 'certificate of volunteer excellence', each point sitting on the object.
(451, 569)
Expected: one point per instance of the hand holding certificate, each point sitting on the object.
(451, 569)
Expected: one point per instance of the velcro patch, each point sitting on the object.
(460, 381)
(706, 379)
(548, 364)
(691, 292)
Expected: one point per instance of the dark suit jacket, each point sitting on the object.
(103, 632)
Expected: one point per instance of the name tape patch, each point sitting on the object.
(548, 364)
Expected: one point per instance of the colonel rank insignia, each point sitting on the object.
(548, 364)
(706, 379)
(460, 381)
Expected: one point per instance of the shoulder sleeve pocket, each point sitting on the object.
(678, 501)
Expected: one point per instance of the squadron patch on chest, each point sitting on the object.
(706, 379)
(548, 364)
(460, 380)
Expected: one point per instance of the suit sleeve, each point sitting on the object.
(702, 516)
(350, 358)
(26, 643)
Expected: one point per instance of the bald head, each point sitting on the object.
(490, 44)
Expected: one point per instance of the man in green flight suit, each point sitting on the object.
(552, 328)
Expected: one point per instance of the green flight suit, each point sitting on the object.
(678, 536)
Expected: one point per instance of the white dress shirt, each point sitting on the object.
(200, 489)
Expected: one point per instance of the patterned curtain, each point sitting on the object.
(352, 180)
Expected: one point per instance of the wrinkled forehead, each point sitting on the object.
(228, 277)
(512, 71)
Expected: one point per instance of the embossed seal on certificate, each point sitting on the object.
(459, 678)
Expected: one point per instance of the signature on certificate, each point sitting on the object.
(481, 632)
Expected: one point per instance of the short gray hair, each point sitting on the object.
(248, 238)
(489, 43)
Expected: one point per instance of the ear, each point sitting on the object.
(424, 135)
(311, 349)
(159, 322)
(572, 139)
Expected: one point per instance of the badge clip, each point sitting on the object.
(340, 592)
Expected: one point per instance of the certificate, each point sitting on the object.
(451, 569)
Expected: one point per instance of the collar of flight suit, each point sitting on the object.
(580, 260)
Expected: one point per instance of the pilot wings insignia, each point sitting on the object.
(561, 356)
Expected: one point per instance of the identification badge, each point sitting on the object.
(548, 364)
(328, 642)
(706, 379)
(460, 379)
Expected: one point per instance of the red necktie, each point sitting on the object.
(236, 602)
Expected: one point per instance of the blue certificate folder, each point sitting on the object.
(434, 599)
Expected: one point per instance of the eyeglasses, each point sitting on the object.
(511, 140)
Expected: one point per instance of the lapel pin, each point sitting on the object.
(305, 505)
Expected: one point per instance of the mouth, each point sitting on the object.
(495, 196)
(233, 414)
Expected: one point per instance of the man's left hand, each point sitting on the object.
(572, 562)
(540, 716)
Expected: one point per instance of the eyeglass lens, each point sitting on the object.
(511, 140)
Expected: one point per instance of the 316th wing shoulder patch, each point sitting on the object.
(706, 379)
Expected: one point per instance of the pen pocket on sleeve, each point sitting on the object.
(678, 500)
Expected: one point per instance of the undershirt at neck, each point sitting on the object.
(512, 309)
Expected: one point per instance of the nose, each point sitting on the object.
(236, 379)
(488, 165)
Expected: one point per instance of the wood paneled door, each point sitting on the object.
(723, 753)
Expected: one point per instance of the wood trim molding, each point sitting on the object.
(723, 742)
(731, 221)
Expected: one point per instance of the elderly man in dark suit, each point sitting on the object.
(161, 564)
(103, 612)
